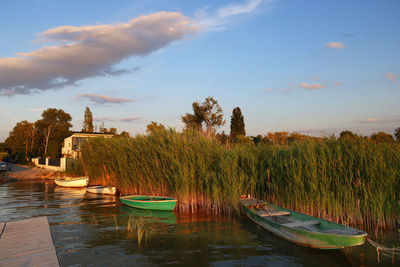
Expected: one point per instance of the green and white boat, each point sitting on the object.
(302, 229)
(149, 202)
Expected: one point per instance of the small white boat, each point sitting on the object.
(99, 189)
(72, 181)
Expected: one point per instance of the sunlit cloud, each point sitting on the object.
(390, 119)
(232, 10)
(102, 99)
(128, 119)
(315, 86)
(267, 89)
(335, 45)
(216, 21)
(315, 78)
(391, 76)
(89, 51)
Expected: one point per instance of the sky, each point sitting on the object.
(316, 67)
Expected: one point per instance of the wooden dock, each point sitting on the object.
(27, 243)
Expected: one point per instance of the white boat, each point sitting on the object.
(99, 189)
(72, 181)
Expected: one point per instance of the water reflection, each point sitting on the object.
(90, 230)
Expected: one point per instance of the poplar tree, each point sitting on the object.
(88, 121)
(237, 123)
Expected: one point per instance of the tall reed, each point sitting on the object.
(348, 181)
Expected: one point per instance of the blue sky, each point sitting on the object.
(318, 67)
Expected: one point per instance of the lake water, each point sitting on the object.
(91, 230)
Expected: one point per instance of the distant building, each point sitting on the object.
(71, 146)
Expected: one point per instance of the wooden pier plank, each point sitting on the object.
(27, 243)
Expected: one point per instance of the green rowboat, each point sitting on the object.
(302, 229)
(149, 202)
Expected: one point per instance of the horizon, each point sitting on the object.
(316, 68)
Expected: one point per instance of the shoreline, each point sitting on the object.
(24, 173)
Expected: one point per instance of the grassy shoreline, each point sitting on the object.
(348, 181)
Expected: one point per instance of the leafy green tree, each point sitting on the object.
(196, 119)
(382, 137)
(21, 139)
(88, 121)
(154, 127)
(397, 134)
(53, 128)
(237, 123)
(208, 112)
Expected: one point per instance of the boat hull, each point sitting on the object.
(107, 190)
(149, 203)
(308, 238)
(72, 182)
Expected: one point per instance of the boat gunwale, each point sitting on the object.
(305, 230)
(148, 201)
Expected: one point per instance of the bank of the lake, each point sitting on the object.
(350, 181)
(90, 229)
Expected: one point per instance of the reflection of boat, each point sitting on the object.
(99, 189)
(149, 202)
(164, 216)
(72, 181)
(302, 229)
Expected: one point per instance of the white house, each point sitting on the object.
(72, 145)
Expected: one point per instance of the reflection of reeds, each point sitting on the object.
(136, 227)
(348, 181)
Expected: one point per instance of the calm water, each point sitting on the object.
(90, 230)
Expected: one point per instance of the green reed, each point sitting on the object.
(348, 181)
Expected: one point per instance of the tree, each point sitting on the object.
(124, 134)
(208, 112)
(213, 116)
(237, 123)
(382, 137)
(154, 127)
(53, 128)
(22, 138)
(196, 119)
(347, 135)
(397, 134)
(222, 138)
(102, 128)
(88, 121)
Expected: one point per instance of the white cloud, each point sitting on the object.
(335, 45)
(89, 51)
(232, 10)
(102, 99)
(391, 76)
(224, 14)
(315, 86)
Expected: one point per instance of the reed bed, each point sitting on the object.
(348, 181)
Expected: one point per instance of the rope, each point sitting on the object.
(385, 250)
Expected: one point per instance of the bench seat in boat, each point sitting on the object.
(301, 223)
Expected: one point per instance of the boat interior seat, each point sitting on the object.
(273, 213)
(301, 223)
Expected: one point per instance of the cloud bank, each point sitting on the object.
(88, 51)
(102, 99)
(128, 119)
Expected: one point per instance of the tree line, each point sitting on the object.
(45, 136)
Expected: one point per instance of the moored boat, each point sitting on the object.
(149, 202)
(302, 229)
(99, 189)
(72, 181)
